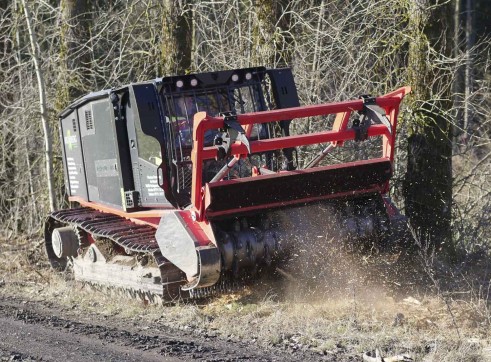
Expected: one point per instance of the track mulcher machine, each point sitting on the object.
(185, 185)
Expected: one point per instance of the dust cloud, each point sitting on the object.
(324, 263)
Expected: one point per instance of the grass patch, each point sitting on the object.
(444, 321)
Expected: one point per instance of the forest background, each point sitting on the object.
(54, 51)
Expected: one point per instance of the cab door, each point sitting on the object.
(146, 142)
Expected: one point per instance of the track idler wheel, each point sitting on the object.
(64, 242)
(57, 248)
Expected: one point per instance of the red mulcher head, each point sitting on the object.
(249, 221)
(267, 190)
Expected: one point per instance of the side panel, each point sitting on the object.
(100, 152)
(75, 180)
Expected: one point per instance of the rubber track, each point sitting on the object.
(131, 236)
(134, 237)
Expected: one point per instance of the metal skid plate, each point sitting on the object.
(178, 244)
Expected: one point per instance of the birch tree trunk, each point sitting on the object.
(42, 107)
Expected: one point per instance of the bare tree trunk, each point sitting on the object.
(74, 58)
(26, 149)
(271, 45)
(8, 169)
(470, 40)
(177, 40)
(263, 52)
(315, 72)
(428, 183)
(42, 107)
(459, 81)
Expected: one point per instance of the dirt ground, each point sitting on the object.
(39, 330)
(408, 306)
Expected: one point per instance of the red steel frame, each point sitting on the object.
(336, 136)
(202, 122)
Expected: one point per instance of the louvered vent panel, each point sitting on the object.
(89, 122)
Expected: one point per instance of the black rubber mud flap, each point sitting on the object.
(201, 264)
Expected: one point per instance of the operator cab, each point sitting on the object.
(237, 91)
(130, 147)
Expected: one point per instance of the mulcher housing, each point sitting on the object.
(200, 174)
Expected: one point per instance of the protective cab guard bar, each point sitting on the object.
(336, 136)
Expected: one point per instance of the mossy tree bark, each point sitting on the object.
(428, 184)
(74, 52)
(74, 67)
(271, 41)
(176, 43)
